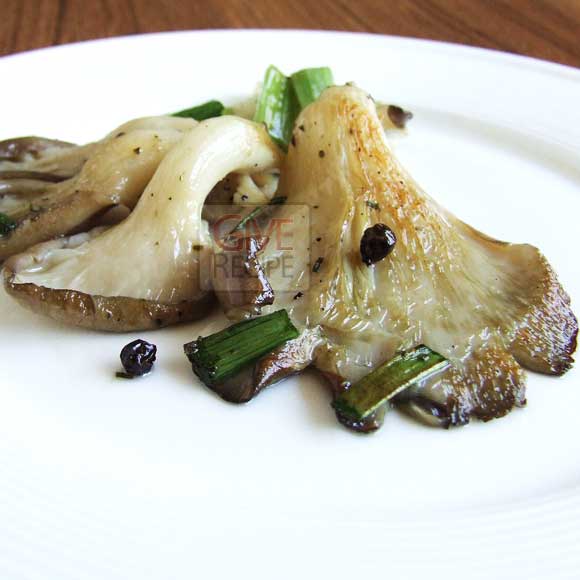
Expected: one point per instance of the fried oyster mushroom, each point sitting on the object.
(114, 173)
(144, 272)
(492, 308)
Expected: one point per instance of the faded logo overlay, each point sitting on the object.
(256, 242)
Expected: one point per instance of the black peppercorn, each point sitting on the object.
(376, 243)
(138, 357)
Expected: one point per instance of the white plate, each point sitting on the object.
(157, 478)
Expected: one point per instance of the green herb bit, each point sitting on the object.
(310, 82)
(222, 355)
(277, 200)
(277, 106)
(7, 224)
(203, 111)
(388, 380)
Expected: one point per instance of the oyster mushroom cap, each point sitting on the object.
(155, 254)
(490, 307)
(116, 173)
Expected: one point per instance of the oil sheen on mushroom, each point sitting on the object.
(492, 308)
(145, 271)
(115, 173)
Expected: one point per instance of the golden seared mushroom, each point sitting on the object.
(145, 272)
(117, 171)
(390, 269)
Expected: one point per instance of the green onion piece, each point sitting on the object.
(277, 106)
(202, 112)
(388, 380)
(309, 84)
(7, 224)
(221, 355)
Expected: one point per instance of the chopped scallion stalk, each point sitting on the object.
(7, 224)
(388, 380)
(277, 106)
(202, 112)
(309, 84)
(221, 355)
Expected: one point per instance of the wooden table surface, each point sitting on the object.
(548, 29)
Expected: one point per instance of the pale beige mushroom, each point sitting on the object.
(489, 307)
(146, 271)
(115, 173)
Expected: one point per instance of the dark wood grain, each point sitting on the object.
(548, 29)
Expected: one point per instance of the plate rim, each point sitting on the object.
(518, 517)
(410, 41)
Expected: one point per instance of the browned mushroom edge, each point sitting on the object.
(106, 313)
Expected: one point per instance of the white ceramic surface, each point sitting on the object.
(159, 479)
